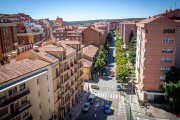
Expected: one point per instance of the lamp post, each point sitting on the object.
(88, 87)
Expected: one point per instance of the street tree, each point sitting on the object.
(173, 75)
(171, 93)
(122, 74)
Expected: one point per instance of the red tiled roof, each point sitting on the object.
(87, 63)
(90, 51)
(16, 69)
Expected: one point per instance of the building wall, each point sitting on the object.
(149, 63)
(128, 28)
(86, 73)
(178, 48)
(8, 39)
(92, 37)
(37, 96)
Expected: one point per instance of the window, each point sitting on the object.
(10, 92)
(169, 31)
(162, 77)
(3, 112)
(167, 50)
(167, 41)
(37, 81)
(24, 100)
(22, 86)
(167, 60)
(165, 69)
(146, 31)
(57, 72)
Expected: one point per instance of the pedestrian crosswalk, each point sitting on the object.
(106, 95)
(121, 108)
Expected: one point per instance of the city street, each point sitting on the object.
(107, 94)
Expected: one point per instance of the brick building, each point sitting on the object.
(8, 39)
(126, 30)
(93, 36)
(158, 43)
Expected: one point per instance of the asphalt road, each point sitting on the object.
(106, 95)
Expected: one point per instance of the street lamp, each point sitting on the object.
(88, 87)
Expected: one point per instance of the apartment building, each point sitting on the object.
(126, 30)
(89, 55)
(29, 34)
(93, 36)
(157, 46)
(113, 25)
(25, 90)
(47, 31)
(8, 39)
(70, 35)
(65, 59)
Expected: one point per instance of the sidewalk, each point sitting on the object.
(154, 113)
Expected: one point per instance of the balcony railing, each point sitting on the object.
(72, 64)
(27, 117)
(6, 101)
(22, 108)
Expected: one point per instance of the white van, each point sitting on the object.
(91, 98)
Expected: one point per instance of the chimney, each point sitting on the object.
(14, 54)
(58, 43)
(35, 48)
(166, 10)
(170, 9)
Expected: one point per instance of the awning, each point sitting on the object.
(154, 92)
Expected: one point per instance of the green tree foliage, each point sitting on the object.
(101, 58)
(173, 75)
(171, 92)
(132, 51)
(122, 72)
(171, 87)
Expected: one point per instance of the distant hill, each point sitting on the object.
(93, 21)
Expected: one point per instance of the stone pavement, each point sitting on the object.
(139, 113)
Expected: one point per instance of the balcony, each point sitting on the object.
(27, 117)
(72, 64)
(6, 101)
(59, 85)
(19, 110)
(59, 97)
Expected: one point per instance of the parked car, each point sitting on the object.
(112, 74)
(86, 107)
(107, 109)
(91, 98)
(118, 87)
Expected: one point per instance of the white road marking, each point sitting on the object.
(111, 95)
(105, 95)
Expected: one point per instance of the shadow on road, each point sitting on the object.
(96, 110)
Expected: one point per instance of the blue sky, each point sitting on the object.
(72, 10)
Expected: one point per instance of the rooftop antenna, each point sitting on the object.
(175, 4)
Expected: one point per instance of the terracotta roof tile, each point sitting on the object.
(19, 68)
(72, 42)
(69, 50)
(87, 63)
(90, 51)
